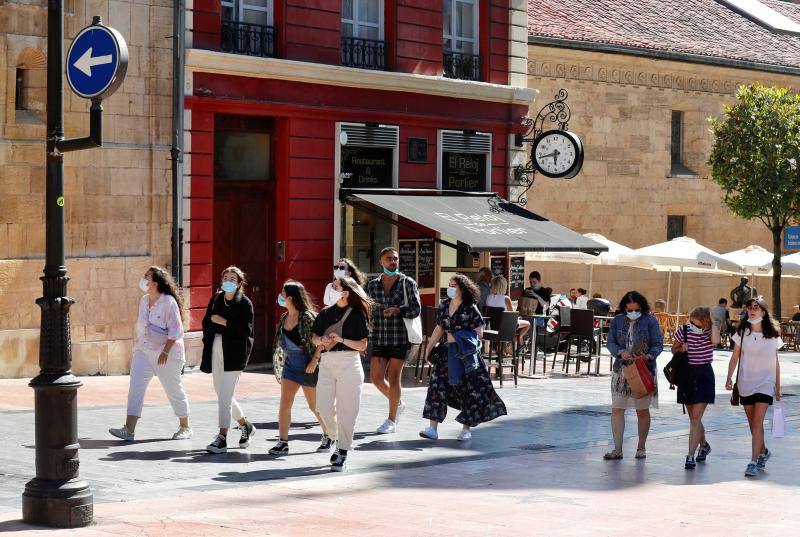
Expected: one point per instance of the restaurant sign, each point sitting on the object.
(465, 172)
(484, 224)
(367, 167)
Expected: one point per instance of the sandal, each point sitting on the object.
(641, 453)
(612, 456)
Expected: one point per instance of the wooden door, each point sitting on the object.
(242, 236)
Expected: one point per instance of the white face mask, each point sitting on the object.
(144, 285)
(335, 295)
(339, 273)
(634, 315)
(695, 329)
(757, 320)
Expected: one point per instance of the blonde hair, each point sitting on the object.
(703, 314)
(499, 285)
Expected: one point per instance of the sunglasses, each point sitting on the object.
(340, 267)
(634, 311)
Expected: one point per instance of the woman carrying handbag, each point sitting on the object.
(758, 375)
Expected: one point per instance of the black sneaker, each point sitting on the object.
(334, 455)
(690, 463)
(281, 448)
(219, 445)
(703, 453)
(337, 465)
(325, 444)
(248, 430)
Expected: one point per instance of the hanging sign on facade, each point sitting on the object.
(465, 172)
(368, 167)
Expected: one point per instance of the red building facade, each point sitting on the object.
(287, 101)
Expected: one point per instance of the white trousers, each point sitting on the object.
(339, 394)
(144, 366)
(225, 385)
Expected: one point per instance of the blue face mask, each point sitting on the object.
(634, 315)
(281, 301)
(390, 273)
(451, 292)
(229, 287)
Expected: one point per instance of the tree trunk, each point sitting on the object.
(777, 243)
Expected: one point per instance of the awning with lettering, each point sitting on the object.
(482, 221)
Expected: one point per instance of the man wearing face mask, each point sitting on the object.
(396, 297)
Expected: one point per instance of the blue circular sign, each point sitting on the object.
(96, 62)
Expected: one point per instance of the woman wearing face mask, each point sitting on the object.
(634, 332)
(758, 379)
(459, 378)
(157, 350)
(343, 267)
(227, 342)
(698, 337)
(343, 331)
(301, 362)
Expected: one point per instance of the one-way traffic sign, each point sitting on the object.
(96, 62)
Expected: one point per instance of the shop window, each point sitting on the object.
(676, 226)
(465, 161)
(242, 156)
(461, 54)
(677, 166)
(368, 158)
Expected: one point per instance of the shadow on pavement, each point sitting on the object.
(88, 443)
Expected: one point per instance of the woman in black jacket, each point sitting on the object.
(227, 342)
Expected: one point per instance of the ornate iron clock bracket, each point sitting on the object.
(556, 112)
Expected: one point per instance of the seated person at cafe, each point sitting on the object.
(573, 295)
(536, 298)
(599, 305)
(484, 285)
(499, 299)
(582, 301)
(796, 316)
(660, 306)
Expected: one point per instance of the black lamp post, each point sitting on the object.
(57, 496)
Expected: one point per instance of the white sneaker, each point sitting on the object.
(122, 433)
(184, 433)
(464, 435)
(388, 427)
(400, 408)
(429, 433)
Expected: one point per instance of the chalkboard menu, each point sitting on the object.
(516, 282)
(426, 278)
(369, 167)
(408, 258)
(498, 266)
(417, 150)
(464, 171)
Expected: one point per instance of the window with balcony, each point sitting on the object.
(248, 27)
(362, 34)
(461, 54)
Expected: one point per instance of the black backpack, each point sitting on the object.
(677, 370)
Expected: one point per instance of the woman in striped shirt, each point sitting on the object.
(698, 337)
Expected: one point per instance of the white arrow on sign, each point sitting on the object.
(85, 63)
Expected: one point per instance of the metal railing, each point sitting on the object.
(248, 39)
(364, 53)
(461, 66)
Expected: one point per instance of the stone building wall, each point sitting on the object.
(621, 107)
(117, 197)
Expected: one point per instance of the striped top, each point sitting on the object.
(701, 350)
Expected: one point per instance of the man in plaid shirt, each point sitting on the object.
(395, 297)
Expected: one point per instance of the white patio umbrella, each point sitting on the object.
(609, 258)
(757, 261)
(683, 254)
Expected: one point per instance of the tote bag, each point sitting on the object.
(413, 326)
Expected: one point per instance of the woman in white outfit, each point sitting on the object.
(158, 351)
(343, 331)
(227, 343)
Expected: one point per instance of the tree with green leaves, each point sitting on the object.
(756, 162)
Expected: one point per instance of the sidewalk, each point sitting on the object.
(537, 471)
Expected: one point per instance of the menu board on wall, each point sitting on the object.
(464, 171)
(498, 266)
(368, 167)
(426, 278)
(516, 282)
(408, 258)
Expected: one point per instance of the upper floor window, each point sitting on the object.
(677, 165)
(248, 11)
(676, 226)
(362, 34)
(248, 27)
(461, 46)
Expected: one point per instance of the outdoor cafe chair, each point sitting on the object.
(501, 334)
(581, 331)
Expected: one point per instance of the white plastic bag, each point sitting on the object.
(778, 423)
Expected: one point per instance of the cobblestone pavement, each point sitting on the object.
(537, 471)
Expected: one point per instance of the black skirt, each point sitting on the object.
(699, 386)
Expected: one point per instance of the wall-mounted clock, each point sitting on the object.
(557, 154)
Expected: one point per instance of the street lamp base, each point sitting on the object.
(59, 504)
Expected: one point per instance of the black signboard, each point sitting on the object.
(417, 150)
(516, 282)
(408, 258)
(368, 167)
(498, 266)
(426, 276)
(464, 171)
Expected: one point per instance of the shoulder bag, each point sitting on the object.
(735, 393)
(677, 369)
(414, 325)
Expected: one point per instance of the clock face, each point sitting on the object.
(558, 154)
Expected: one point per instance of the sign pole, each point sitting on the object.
(97, 62)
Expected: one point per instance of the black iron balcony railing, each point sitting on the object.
(462, 66)
(248, 39)
(364, 53)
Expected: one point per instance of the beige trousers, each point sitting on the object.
(339, 394)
